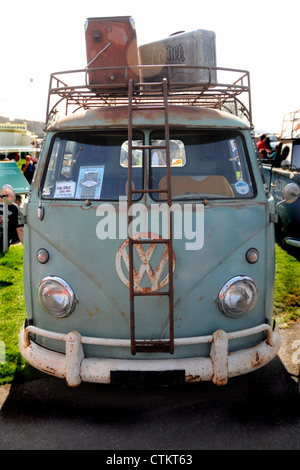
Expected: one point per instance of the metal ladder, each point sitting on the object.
(166, 345)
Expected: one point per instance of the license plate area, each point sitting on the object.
(147, 378)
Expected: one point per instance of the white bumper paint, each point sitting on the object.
(220, 366)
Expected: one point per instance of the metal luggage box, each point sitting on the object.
(110, 42)
(193, 49)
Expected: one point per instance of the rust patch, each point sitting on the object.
(117, 116)
(256, 359)
(154, 276)
(221, 382)
(49, 370)
(192, 378)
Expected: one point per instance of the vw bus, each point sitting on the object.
(149, 234)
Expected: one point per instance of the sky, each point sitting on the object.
(38, 38)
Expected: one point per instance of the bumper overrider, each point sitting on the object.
(75, 368)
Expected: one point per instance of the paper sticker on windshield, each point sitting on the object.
(65, 189)
(89, 182)
(242, 187)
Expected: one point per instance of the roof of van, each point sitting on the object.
(117, 117)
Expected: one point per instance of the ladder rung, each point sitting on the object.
(137, 191)
(148, 346)
(149, 240)
(141, 294)
(140, 107)
(148, 147)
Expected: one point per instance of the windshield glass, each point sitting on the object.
(87, 166)
(215, 166)
(94, 166)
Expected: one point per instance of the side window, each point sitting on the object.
(240, 173)
(296, 156)
(56, 156)
(137, 155)
(177, 153)
(287, 152)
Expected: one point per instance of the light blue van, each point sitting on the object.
(149, 235)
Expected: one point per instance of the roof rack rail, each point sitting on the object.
(230, 93)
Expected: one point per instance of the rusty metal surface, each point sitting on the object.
(167, 257)
(118, 118)
(110, 42)
(155, 275)
(218, 368)
(230, 95)
(192, 48)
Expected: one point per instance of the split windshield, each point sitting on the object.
(94, 166)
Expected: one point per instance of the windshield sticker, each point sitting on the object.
(89, 182)
(177, 162)
(65, 189)
(242, 187)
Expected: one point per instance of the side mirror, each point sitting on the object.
(290, 193)
(7, 194)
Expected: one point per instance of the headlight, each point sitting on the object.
(238, 296)
(56, 296)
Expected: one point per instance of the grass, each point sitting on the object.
(287, 290)
(12, 316)
(13, 313)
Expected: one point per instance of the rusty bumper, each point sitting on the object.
(75, 368)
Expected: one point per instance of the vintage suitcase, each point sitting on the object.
(111, 42)
(196, 48)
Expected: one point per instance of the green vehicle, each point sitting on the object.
(149, 233)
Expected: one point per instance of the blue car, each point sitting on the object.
(285, 169)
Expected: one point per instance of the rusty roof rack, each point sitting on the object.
(291, 125)
(230, 93)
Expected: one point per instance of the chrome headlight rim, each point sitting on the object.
(68, 308)
(223, 306)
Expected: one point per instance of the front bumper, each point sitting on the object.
(75, 368)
